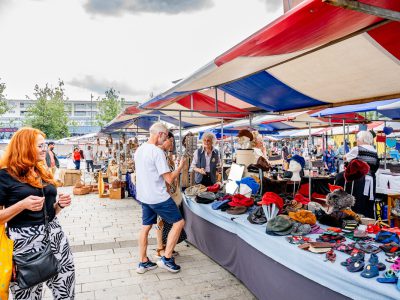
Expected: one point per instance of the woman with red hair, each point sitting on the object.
(26, 186)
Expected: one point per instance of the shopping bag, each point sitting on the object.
(6, 251)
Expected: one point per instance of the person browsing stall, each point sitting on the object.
(27, 194)
(152, 172)
(51, 158)
(205, 161)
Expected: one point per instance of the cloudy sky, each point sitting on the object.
(135, 46)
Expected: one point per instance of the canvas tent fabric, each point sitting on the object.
(354, 57)
(197, 109)
(371, 106)
(390, 110)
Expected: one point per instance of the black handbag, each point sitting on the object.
(38, 267)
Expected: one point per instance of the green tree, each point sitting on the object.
(109, 107)
(47, 113)
(4, 107)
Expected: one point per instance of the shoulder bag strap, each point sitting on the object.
(46, 216)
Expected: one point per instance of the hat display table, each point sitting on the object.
(270, 266)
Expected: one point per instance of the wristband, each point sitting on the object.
(58, 203)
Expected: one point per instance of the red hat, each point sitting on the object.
(240, 200)
(356, 169)
(333, 187)
(214, 188)
(304, 189)
(271, 198)
(301, 199)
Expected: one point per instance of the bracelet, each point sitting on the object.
(58, 203)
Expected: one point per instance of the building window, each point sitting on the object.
(80, 113)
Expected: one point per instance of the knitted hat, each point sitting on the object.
(303, 216)
(339, 199)
(299, 159)
(356, 169)
(271, 198)
(245, 132)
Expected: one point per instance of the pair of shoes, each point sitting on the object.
(146, 266)
(355, 257)
(168, 264)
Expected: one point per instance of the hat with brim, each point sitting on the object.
(195, 190)
(247, 133)
(217, 204)
(205, 198)
(257, 216)
(280, 225)
(236, 210)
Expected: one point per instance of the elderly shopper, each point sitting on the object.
(366, 152)
(205, 161)
(152, 172)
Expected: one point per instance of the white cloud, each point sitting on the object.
(42, 41)
(119, 7)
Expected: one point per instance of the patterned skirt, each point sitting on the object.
(33, 239)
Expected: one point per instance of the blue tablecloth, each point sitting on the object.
(310, 265)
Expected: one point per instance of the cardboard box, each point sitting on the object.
(118, 193)
(70, 177)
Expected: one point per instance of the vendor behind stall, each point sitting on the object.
(329, 158)
(205, 161)
(364, 151)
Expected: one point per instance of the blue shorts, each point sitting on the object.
(167, 210)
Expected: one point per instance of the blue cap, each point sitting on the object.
(217, 204)
(251, 182)
(299, 159)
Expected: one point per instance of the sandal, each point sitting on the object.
(356, 257)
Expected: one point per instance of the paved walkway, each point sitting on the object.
(104, 233)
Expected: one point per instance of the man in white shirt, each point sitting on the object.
(89, 159)
(152, 171)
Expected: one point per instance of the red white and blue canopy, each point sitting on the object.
(314, 55)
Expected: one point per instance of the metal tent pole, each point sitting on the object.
(222, 150)
(180, 133)
(384, 124)
(309, 162)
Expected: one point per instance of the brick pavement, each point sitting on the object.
(103, 234)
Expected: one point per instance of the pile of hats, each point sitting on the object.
(239, 204)
(194, 190)
(205, 198)
(272, 204)
(341, 203)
